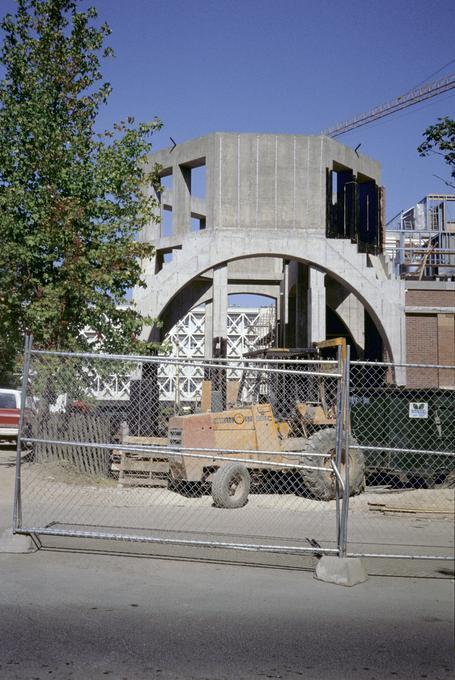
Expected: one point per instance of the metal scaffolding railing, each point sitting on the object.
(421, 239)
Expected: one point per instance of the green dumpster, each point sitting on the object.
(406, 420)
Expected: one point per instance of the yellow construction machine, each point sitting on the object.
(290, 420)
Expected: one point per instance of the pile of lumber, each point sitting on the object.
(141, 468)
(384, 508)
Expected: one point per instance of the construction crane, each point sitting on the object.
(409, 99)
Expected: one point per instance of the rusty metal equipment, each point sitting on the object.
(289, 426)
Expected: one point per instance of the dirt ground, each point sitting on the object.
(58, 497)
(54, 496)
(60, 477)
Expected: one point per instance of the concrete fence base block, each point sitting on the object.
(343, 571)
(15, 543)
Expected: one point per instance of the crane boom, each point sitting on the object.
(409, 99)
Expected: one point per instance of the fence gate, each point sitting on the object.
(245, 455)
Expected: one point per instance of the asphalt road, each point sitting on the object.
(71, 615)
(95, 616)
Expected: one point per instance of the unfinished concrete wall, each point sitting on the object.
(265, 196)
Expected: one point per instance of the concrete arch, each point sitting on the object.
(189, 297)
(381, 294)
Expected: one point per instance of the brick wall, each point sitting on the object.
(446, 348)
(430, 339)
(430, 298)
(422, 348)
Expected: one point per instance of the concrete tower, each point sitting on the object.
(297, 218)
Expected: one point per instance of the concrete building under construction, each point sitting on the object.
(298, 219)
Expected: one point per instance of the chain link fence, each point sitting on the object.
(407, 436)
(252, 457)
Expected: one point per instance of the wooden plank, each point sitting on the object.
(100, 453)
(141, 456)
(380, 507)
(206, 396)
(232, 391)
(106, 438)
(82, 434)
(151, 441)
(75, 452)
(145, 466)
(85, 435)
(138, 481)
(94, 452)
(135, 469)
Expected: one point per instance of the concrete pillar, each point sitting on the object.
(283, 305)
(181, 208)
(220, 301)
(208, 329)
(216, 311)
(302, 318)
(316, 316)
(352, 313)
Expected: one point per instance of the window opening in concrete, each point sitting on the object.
(166, 221)
(163, 257)
(334, 176)
(166, 179)
(341, 202)
(354, 209)
(198, 178)
(192, 200)
(165, 199)
(197, 222)
(346, 196)
(369, 216)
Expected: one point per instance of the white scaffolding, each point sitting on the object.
(421, 239)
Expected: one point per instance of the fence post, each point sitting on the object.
(339, 442)
(346, 434)
(17, 507)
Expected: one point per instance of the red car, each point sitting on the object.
(10, 408)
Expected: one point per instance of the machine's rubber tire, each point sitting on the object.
(322, 485)
(449, 481)
(231, 486)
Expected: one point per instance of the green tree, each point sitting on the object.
(440, 139)
(72, 201)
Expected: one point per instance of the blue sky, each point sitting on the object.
(284, 66)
